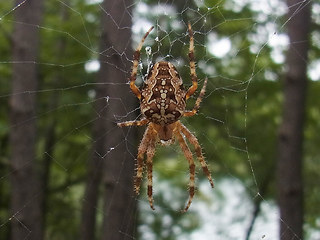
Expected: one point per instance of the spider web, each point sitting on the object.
(235, 41)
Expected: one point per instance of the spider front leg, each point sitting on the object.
(133, 123)
(194, 141)
(189, 157)
(136, 58)
(192, 63)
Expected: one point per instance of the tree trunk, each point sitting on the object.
(95, 164)
(26, 215)
(50, 131)
(119, 201)
(289, 169)
(115, 166)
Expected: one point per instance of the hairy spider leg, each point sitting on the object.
(194, 141)
(143, 147)
(198, 101)
(133, 123)
(136, 58)
(192, 63)
(189, 157)
(141, 150)
(150, 155)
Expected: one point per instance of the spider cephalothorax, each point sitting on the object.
(162, 103)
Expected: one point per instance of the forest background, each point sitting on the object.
(67, 169)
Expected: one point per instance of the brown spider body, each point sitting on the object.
(162, 103)
(163, 98)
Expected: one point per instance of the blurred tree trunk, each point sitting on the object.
(50, 131)
(114, 149)
(289, 169)
(95, 166)
(95, 163)
(119, 200)
(26, 211)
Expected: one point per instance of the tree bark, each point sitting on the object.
(26, 215)
(113, 152)
(95, 164)
(50, 135)
(289, 168)
(119, 201)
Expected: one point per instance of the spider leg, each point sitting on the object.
(150, 155)
(133, 123)
(193, 74)
(194, 141)
(136, 57)
(141, 151)
(189, 157)
(198, 101)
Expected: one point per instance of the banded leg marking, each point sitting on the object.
(198, 101)
(192, 63)
(136, 57)
(189, 157)
(141, 151)
(133, 123)
(150, 155)
(194, 141)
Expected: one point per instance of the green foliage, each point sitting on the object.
(312, 156)
(63, 113)
(68, 42)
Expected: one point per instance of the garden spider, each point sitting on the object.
(162, 103)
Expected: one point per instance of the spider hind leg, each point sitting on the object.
(189, 157)
(194, 141)
(147, 146)
(143, 147)
(150, 155)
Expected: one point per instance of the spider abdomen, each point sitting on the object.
(163, 98)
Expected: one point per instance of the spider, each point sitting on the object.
(163, 103)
